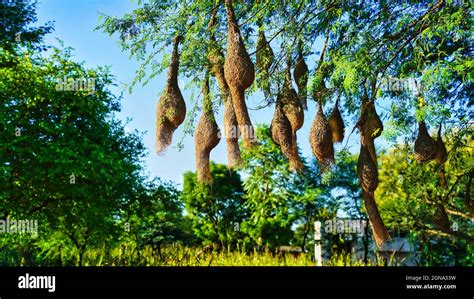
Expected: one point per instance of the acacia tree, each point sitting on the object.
(364, 43)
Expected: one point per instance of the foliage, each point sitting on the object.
(216, 210)
(409, 195)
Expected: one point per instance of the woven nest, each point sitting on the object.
(370, 123)
(425, 147)
(336, 123)
(171, 108)
(321, 140)
(206, 137)
(300, 74)
(264, 55)
(265, 58)
(291, 104)
(239, 73)
(282, 135)
(367, 170)
(231, 128)
(232, 134)
(441, 153)
(441, 219)
(379, 230)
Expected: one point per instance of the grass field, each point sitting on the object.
(177, 255)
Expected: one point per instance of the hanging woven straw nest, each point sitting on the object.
(171, 108)
(264, 55)
(300, 73)
(441, 153)
(441, 219)
(265, 58)
(239, 74)
(380, 233)
(367, 169)
(336, 123)
(425, 146)
(232, 134)
(320, 138)
(291, 105)
(231, 128)
(206, 136)
(282, 135)
(370, 121)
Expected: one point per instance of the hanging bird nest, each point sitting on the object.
(367, 169)
(282, 135)
(336, 123)
(231, 128)
(300, 73)
(232, 134)
(264, 55)
(171, 108)
(370, 123)
(425, 146)
(441, 219)
(291, 105)
(380, 233)
(206, 136)
(441, 153)
(239, 73)
(321, 140)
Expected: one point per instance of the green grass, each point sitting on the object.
(177, 255)
(171, 255)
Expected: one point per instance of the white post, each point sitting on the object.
(317, 245)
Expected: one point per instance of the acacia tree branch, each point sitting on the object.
(459, 213)
(449, 234)
(415, 22)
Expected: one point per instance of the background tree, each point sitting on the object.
(157, 219)
(216, 210)
(65, 159)
(279, 200)
(17, 32)
(410, 200)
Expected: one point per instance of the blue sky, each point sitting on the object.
(74, 22)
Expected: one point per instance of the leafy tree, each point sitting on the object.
(65, 159)
(217, 210)
(410, 199)
(427, 41)
(278, 199)
(16, 31)
(157, 219)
